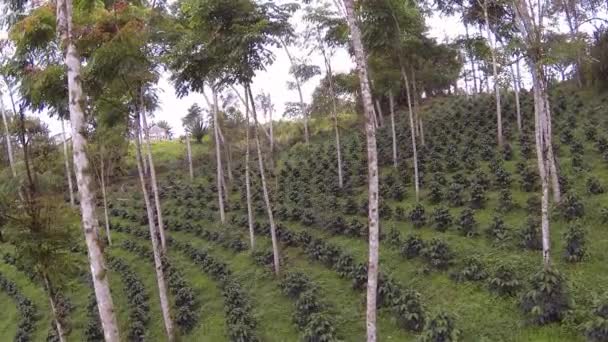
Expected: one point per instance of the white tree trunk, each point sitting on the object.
(417, 116)
(57, 320)
(154, 236)
(189, 149)
(516, 90)
(218, 157)
(380, 114)
(153, 181)
(394, 135)
(106, 217)
(66, 159)
(413, 133)
(273, 234)
(99, 271)
(372, 164)
(7, 135)
(299, 88)
(334, 111)
(247, 177)
(495, 74)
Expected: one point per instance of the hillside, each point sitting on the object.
(462, 258)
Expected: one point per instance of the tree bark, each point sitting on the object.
(106, 217)
(334, 112)
(189, 149)
(417, 116)
(9, 144)
(157, 250)
(516, 91)
(58, 325)
(471, 59)
(394, 135)
(99, 271)
(218, 157)
(153, 181)
(247, 176)
(413, 132)
(495, 74)
(299, 88)
(273, 234)
(372, 163)
(380, 114)
(68, 173)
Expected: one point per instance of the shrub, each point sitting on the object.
(504, 281)
(503, 178)
(440, 328)
(400, 214)
(505, 201)
(418, 216)
(530, 234)
(575, 243)
(604, 214)
(497, 231)
(438, 254)
(442, 219)
(408, 308)
(547, 300)
(596, 330)
(454, 194)
(594, 186)
(473, 270)
(319, 329)
(533, 204)
(412, 246)
(478, 196)
(435, 193)
(466, 223)
(572, 207)
(393, 237)
(294, 284)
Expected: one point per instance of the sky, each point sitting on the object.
(273, 80)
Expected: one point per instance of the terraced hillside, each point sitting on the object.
(464, 261)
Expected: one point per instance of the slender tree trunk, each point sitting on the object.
(372, 163)
(273, 234)
(517, 104)
(106, 217)
(157, 250)
(394, 135)
(99, 271)
(334, 112)
(417, 115)
(247, 175)
(153, 181)
(413, 132)
(466, 29)
(68, 173)
(189, 149)
(218, 157)
(58, 325)
(299, 88)
(380, 114)
(9, 144)
(495, 74)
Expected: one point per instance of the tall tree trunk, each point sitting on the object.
(413, 132)
(273, 234)
(189, 149)
(153, 180)
(99, 272)
(380, 114)
(299, 88)
(372, 164)
(51, 293)
(68, 173)
(334, 113)
(417, 115)
(247, 174)
(471, 59)
(516, 90)
(495, 74)
(218, 157)
(7, 135)
(393, 133)
(571, 19)
(106, 217)
(157, 250)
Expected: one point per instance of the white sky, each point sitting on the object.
(273, 80)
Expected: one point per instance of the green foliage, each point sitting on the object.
(466, 224)
(418, 216)
(438, 254)
(412, 246)
(498, 231)
(442, 219)
(575, 240)
(504, 281)
(472, 270)
(546, 300)
(441, 328)
(530, 235)
(596, 330)
(572, 207)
